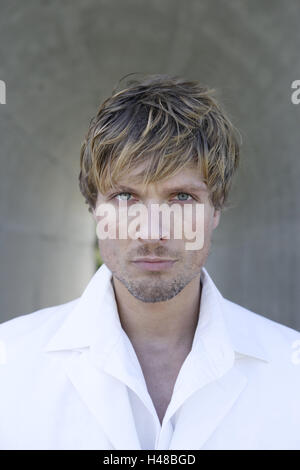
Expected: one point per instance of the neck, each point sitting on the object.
(160, 326)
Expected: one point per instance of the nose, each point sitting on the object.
(152, 226)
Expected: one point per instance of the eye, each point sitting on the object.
(119, 194)
(120, 198)
(185, 194)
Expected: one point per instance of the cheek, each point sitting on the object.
(113, 250)
(198, 219)
(201, 230)
(109, 250)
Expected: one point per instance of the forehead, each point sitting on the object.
(187, 177)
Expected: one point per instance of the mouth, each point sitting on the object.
(155, 264)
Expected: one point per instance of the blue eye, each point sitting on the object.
(119, 194)
(186, 194)
(116, 196)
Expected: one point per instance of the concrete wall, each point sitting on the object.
(61, 59)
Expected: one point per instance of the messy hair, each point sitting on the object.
(168, 123)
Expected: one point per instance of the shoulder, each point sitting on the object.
(261, 323)
(30, 331)
(280, 342)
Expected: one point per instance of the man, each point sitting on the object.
(152, 356)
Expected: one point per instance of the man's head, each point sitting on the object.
(146, 141)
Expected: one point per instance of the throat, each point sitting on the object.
(160, 374)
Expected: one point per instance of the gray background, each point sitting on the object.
(61, 59)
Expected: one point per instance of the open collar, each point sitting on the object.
(94, 319)
(102, 364)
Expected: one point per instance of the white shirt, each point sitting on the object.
(70, 379)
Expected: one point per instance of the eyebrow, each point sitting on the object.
(186, 188)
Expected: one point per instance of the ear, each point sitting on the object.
(92, 212)
(216, 218)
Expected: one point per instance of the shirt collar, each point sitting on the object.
(94, 322)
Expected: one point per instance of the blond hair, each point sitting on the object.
(166, 122)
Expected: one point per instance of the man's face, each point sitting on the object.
(162, 282)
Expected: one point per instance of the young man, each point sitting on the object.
(152, 356)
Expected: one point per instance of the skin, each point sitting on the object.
(159, 310)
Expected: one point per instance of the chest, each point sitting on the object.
(160, 390)
(160, 376)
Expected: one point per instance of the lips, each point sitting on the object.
(152, 260)
(153, 264)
